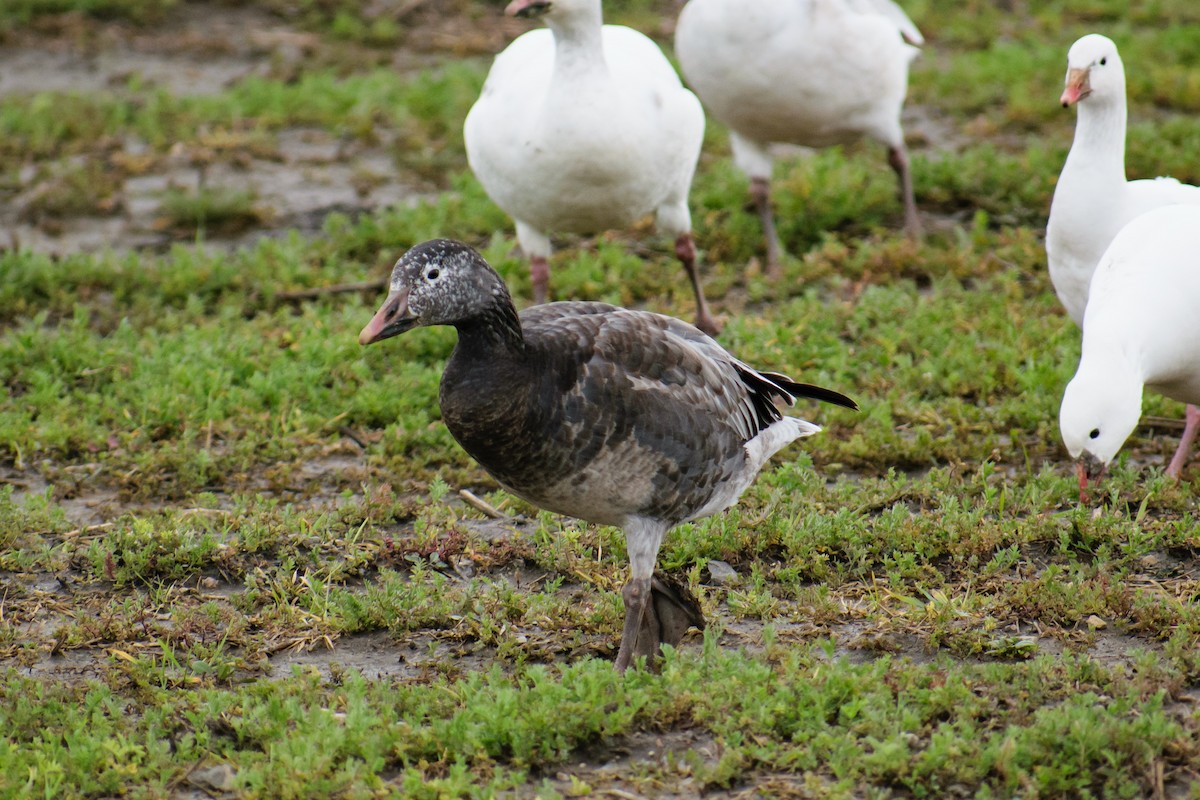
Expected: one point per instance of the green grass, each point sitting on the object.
(21, 12)
(1067, 726)
(210, 479)
(218, 208)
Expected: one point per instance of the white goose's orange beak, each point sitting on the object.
(1077, 88)
(1088, 468)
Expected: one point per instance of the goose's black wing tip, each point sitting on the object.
(824, 395)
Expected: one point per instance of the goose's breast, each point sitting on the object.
(579, 176)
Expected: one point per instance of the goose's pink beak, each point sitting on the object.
(527, 8)
(1078, 87)
(392, 319)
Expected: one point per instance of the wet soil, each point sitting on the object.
(421, 655)
(295, 177)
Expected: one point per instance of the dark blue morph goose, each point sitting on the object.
(610, 415)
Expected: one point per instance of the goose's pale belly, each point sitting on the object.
(586, 189)
(627, 480)
(581, 148)
(790, 72)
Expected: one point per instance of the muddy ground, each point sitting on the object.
(337, 480)
(297, 178)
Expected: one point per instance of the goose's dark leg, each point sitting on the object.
(637, 596)
(642, 538)
(673, 609)
(760, 194)
(685, 251)
(898, 158)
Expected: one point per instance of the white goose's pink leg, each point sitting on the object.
(685, 250)
(760, 193)
(898, 158)
(539, 273)
(536, 247)
(1190, 429)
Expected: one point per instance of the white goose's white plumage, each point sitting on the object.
(585, 127)
(807, 72)
(1093, 201)
(1141, 330)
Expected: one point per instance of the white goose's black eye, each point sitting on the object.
(1095, 434)
(1103, 61)
(432, 274)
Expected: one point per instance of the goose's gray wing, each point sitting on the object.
(652, 416)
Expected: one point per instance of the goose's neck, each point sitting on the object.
(1111, 357)
(578, 43)
(1099, 145)
(496, 330)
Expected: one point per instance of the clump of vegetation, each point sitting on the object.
(90, 188)
(141, 12)
(216, 209)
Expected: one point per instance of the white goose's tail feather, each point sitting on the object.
(774, 438)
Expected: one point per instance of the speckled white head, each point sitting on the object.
(1094, 71)
(439, 282)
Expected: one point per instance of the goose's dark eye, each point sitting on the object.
(1095, 434)
(432, 274)
(1103, 61)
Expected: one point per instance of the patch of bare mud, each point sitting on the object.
(90, 507)
(376, 655)
(311, 175)
(292, 180)
(611, 768)
(33, 70)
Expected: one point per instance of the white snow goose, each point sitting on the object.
(1093, 201)
(613, 416)
(1141, 330)
(807, 72)
(582, 128)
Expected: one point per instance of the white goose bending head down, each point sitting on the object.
(614, 416)
(1141, 331)
(1093, 201)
